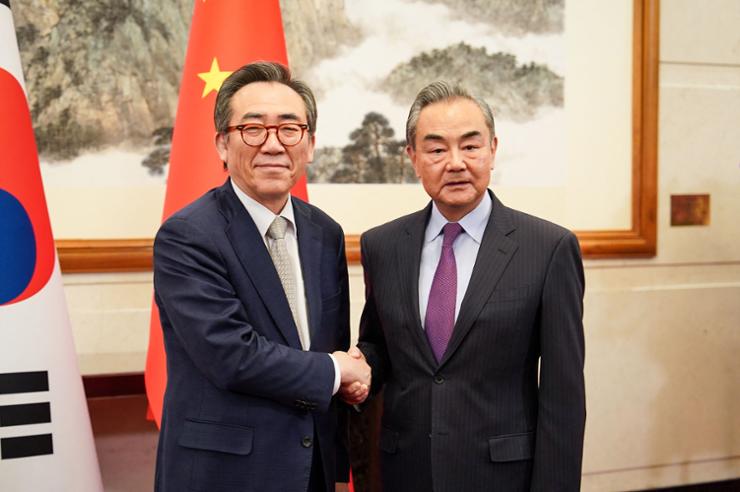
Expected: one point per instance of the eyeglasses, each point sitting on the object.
(255, 134)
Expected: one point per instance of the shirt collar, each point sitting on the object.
(261, 215)
(474, 223)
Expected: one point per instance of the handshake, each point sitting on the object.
(355, 376)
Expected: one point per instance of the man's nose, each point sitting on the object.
(457, 161)
(272, 144)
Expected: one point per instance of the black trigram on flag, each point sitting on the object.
(25, 414)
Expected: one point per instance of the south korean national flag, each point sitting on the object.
(46, 443)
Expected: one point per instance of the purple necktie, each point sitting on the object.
(440, 317)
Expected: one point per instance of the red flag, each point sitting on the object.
(224, 35)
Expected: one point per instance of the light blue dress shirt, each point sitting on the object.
(465, 247)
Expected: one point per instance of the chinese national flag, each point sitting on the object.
(224, 35)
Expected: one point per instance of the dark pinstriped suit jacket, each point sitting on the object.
(479, 420)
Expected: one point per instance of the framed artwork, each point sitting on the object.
(573, 86)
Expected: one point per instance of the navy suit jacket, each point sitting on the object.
(505, 408)
(243, 402)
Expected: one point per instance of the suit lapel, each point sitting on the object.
(309, 249)
(494, 255)
(409, 259)
(252, 253)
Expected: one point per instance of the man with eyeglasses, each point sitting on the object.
(252, 291)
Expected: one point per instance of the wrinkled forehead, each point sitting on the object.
(267, 100)
(453, 118)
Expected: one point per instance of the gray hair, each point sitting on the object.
(443, 91)
(261, 72)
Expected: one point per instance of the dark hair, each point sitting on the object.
(261, 72)
(443, 91)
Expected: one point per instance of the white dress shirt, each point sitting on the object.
(263, 217)
(465, 247)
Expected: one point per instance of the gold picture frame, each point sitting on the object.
(118, 255)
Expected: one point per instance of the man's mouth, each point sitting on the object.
(272, 165)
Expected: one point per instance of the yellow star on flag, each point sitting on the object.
(213, 78)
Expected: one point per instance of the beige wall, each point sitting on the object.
(662, 369)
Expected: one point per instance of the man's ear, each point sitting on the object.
(494, 146)
(311, 147)
(411, 152)
(221, 140)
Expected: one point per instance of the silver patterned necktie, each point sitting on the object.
(284, 266)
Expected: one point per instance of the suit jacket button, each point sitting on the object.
(439, 379)
(306, 442)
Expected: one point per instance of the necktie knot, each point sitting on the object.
(277, 228)
(451, 230)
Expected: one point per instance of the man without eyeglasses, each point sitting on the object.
(466, 300)
(251, 286)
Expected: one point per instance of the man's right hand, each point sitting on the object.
(355, 376)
